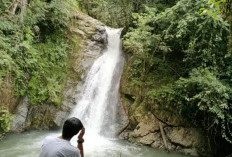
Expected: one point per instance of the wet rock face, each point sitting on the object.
(158, 126)
(186, 137)
(186, 140)
(18, 123)
(41, 116)
(90, 39)
(44, 117)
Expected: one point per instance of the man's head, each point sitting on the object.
(71, 127)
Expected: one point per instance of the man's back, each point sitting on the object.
(56, 147)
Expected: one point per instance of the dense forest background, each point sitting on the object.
(180, 54)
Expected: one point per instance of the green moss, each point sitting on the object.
(5, 120)
(76, 42)
(76, 46)
(48, 78)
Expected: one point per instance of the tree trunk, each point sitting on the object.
(13, 7)
(163, 135)
(23, 9)
(20, 4)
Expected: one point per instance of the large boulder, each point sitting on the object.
(186, 140)
(20, 116)
(45, 117)
(186, 137)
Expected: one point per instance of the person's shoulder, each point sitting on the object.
(74, 149)
(71, 151)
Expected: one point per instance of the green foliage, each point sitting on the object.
(47, 17)
(118, 13)
(5, 121)
(218, 8)
(47, 79)
(4, 4)
(34, 51)
(189, 51)
(202, 98)
(147, 48)
(214, 9)
(113, 13)
(6, 64)
(185, 31)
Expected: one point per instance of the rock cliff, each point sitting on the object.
(87, 41)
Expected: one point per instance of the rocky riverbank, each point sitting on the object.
(157, 126)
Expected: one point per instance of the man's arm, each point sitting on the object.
(80, 147)
(80, 142)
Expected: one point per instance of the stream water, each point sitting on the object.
(28, 144)
(97, 109)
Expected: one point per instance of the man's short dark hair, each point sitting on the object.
(71, 127)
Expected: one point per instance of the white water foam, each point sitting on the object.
(98, 104)
(99, 101)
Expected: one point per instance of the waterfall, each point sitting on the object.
(97, 109)
(99, 101)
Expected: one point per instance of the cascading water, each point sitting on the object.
(99, 101)
(97, 107)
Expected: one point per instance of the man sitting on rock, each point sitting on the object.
(61, 146)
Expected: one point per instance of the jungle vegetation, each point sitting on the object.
(180, 56)
(180, 50)
(33, 51)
